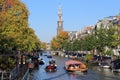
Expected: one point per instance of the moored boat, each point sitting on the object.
(41, 62)
(104, 65)
(116, 65)
(75, 65)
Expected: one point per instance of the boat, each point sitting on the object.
(52, 61)
(49, 56)
(75, 66)
(104, 65)
(116, 65)
(41, 62)
(52, 67)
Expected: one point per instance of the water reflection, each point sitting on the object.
(76, 75)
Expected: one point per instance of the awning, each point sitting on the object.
(68, 62)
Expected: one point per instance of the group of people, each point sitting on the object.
(52, 67)
(74, 66)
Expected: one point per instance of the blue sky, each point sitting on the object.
(76, 14)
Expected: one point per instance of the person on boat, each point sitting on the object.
(53, 65)
(52, 62)
(31, 66)
(51, 68)
(71, 66)
(77, 66)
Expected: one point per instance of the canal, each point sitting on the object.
(94, 73)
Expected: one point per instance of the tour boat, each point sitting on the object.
(75, 65)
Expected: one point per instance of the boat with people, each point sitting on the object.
(52, 67)
(41, 61)
(74, 66)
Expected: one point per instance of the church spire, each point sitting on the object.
(60, 13)
(60, 21)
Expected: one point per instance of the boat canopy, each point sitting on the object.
(69, 62)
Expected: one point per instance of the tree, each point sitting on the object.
(59, 42)
(107, 38)
(101, 38)
(43, 45)
(54, 44)
(14, 30)
(68, 46)
(15, 33)
(75, 45)
(62, 38)
(116, 36)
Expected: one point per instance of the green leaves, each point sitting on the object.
(15, 33)
(14, 30)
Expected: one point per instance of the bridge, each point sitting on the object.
(56, 52)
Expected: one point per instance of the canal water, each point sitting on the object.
(94, 73)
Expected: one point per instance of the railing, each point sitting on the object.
(5, 76)
(9, 75)
(23, 70)
(14, 72)
(26, 76)
(17, 72)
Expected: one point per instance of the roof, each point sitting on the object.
(118, 17)
(88, 28)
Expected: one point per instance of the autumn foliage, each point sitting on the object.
(63, 35)
(55, 44)
(58, 42)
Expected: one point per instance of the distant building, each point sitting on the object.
(88, 29)
(111, 20)
(72, 34)
(48, 46)
(60, 21)
(82, 33)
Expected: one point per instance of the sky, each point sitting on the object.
(77, 14)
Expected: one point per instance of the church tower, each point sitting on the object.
(60, 21)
